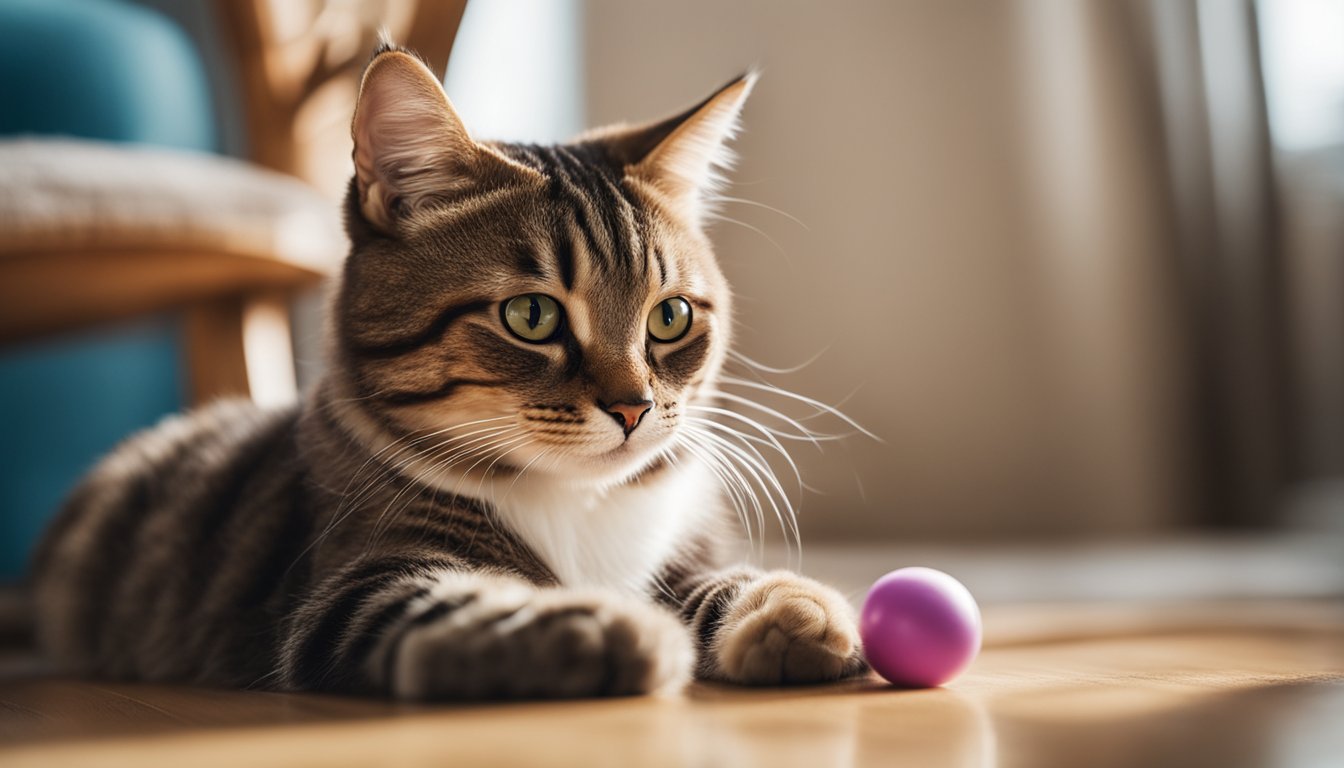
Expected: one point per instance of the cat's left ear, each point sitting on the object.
(684, 156)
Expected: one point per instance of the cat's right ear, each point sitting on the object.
(411, 148)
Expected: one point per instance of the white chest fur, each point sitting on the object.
(616, 539)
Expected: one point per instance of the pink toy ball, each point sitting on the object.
(920, 627)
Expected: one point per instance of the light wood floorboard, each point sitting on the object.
(1198, 684)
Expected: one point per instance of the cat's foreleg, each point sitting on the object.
(440, 631)
(770, 627)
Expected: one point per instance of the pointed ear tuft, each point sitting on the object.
(411, 148)
(684, 156)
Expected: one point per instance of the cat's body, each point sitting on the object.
(486, 496)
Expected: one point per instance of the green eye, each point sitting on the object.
(531, 317)
(670, 320)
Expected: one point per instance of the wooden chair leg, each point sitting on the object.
(213, 348)
(268, 348)
(240, 347)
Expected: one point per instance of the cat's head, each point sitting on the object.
(545, 307)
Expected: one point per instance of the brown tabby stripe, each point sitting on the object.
(314, 665)
(429, 334)
(316, 639)
(621, 216)
(109, 518)
(483, 623)
(709, 618)
(274, 583)
(562, 244)
(97, 581)
(557, 432)
(596, 250)
(596, 188)
(702, 597)
(565, 194)
(562, 408)
(270, 521)
(241, 505)
(439, 610)
(224, 495)
(678, 366)
(446, 389)
(563, 248)
(704, 608)
(662, 265)
(598, 222)
(363, 635)
(507, 360)
(526, 262)
(558, 419)
(607, 215)
(573, 356)
(527, 154)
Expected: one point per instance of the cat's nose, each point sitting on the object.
(628, 414)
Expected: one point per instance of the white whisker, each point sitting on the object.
(817, 404)
(805, 434)
(417, 454)
(735, 487)
(482, 444)
(736, 465)
(349, 505)
(520, 474)
(763, 368)
(771, 208)
(770, 485)
(748, 441)
(721, 217)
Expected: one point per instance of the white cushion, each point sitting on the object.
(63, 195)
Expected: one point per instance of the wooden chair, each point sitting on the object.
(96, 233)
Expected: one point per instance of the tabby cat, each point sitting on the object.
(491, 493)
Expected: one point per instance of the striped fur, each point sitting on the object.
(452, 513)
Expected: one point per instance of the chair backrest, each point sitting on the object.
(298, 73)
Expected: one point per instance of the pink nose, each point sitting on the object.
(628, 415)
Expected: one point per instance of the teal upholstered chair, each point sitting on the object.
(96, 69)
(137, 279)
(183, 261)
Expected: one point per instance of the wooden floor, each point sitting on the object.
(1222, 684)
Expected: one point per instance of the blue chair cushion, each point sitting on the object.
(99, 69)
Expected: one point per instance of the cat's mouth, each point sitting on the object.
(604, 459)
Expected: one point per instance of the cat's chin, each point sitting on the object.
(614, 467)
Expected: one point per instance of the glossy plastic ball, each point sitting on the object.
(920, 627)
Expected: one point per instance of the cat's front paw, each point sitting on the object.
(784, 628)
(525, 643)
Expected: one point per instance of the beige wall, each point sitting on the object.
(982, 254)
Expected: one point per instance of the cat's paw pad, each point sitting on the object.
(545, 644)
(784, 628)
